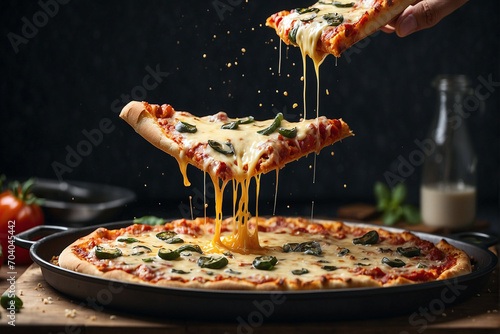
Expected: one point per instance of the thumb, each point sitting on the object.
(425, 14)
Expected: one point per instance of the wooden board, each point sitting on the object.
(46, 309)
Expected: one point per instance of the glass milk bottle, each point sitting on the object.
(448, 189)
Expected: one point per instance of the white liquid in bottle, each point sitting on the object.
(452, 206)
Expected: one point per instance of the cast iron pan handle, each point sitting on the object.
(479, 239)
(25, 239)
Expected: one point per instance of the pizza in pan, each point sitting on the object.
(295, 254)
(332, 26)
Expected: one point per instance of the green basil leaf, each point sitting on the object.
(300, 271)
(127, 240)
(399, 193)
(188, 247)
(329, 268)
(220, 148)
(177, 271)
(396, 263)
(185, 127)
(391, 217)
(246, 120)
(292, 34)
(264, 262)
(333, 19)
(273, 127)
(150, 220)
(411, 214)
(168, 254)
(369, 238)
(231, 125)
(382, 195)
(6, 299)
(212, 262)
(289, 133)
(107, 253)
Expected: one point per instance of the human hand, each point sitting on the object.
(421, 15)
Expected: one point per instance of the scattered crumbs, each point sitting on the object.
(327, 92)
(332, 154)
(277, 91)
(444, 314)
(285, 93)
(215, 36)
(47, 300)
(345, 185)
(288, 75)
(288, 206)
(489, 311)
(258, 92)
(243, 50)
(310, 166)
(112, 317)
(70, 313)
(495, 311)
(489, 290)
(479, 295)
(228, 64)
(204, 55)
(145, 185)
(260, 104)
(93, 318)
(302, 78)
(295, 105)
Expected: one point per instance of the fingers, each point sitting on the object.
(425, 14)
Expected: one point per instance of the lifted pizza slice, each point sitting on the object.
(228, 148)
(331, 27)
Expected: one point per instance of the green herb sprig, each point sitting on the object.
(391, 204)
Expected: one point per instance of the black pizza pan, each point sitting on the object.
(256, 306)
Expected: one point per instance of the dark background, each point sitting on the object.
(85, 59)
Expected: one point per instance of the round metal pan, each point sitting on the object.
(250, 306)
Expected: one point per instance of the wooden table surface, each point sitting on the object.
(47, 311)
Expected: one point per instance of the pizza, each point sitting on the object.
(228, 148)
(295, 254)
(332, 26)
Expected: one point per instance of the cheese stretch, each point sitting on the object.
(247, 147)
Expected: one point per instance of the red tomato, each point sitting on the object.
(18, 212)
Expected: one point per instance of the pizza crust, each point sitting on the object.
(462, 266)
(136, 115)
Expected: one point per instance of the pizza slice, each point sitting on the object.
(228, 148)
(332, 26)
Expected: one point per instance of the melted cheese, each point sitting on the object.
(248, 146)
(309, 31)
(358, 258)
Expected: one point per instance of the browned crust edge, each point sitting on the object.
(136, 115)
